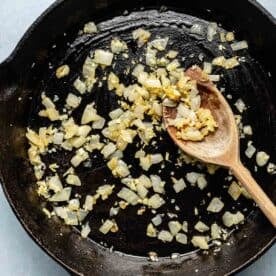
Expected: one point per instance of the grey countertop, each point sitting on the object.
(19, 255)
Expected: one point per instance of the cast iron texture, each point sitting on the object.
(19, 78)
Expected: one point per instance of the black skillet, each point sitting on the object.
(29, 70)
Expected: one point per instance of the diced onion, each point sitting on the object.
(234, 190)
(157, 220)
(201, 227)
(250, 151)
(54, 183)
(103, 57)
(262, 158)
(157, 184)
(200, 241)
(118, 46)
(174, 227)
(207, 67)
(215, 231)
(211, 31)
(197, 29)
(106, 227)
(128, 195)
(156, 201)
(90, 28)
(85, 230)
(63, 195)
(160, 43)
(179, 185)
(215, 205)
(165, 236)
(73, 179)
(230, 219)
(181, 238)
(151, 231)
(236, 46)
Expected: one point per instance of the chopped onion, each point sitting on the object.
(157, 184)
(73, 101)
(103, 57)
(80, 156)
(165, 236)
(116, 113)
(80, 86)
(106, 227)
(215, 205)
(54, 183)
(142, 191)
(200, 241)
(181, 238)
(262, 158)
(99, 124)
(160, 43)
(90, 28)
(157, 220)
(207, 67)
(201, 227)
(73, 179)
(211, 31)
(141, 35)
(105, 191)
(234, 190)
(250, 151)
(236, 46)
(240, 105)
(72, 218)
(230, 219)
(178, 185)
(128, 195)
(63, 195)
(89, 202)
(61, 211)
(118, 46)
(201, 182)
(82, 214)
(214, 78)
(271, 168)
(74, 204)
(192, 177)
(247, 130)
(230, 36)
(151, 231)
(85, 230)
(216, 231)
(89, 115)
(197, 29)
(185, 226)
(62, 71)
(58, 138)
(108, 150)
(156, 201)
(174, 227)
(114, 211)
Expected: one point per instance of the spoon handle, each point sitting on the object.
(258, 195)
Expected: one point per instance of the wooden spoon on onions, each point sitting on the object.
(221, 147)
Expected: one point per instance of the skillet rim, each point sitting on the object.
(25, 225)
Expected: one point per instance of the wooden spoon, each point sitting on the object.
(222, 147)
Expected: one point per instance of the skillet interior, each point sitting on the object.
(85, 256)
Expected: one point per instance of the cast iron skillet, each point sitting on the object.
(26, 72)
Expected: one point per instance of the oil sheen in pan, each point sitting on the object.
(243, 81)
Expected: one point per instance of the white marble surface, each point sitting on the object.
(19, 255)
